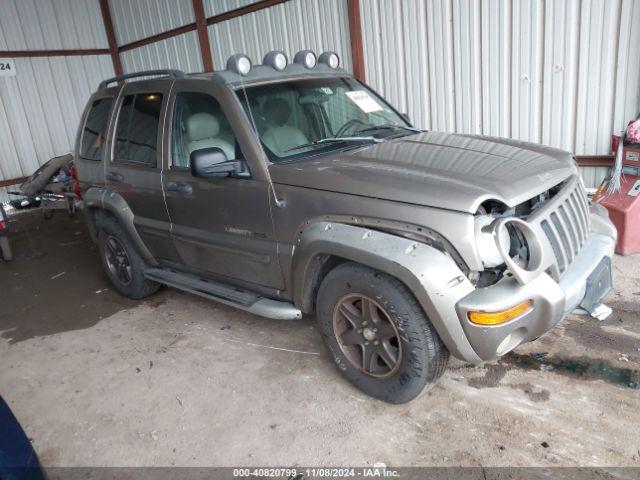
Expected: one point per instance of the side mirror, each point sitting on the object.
(212, 162)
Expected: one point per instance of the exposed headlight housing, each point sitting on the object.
(306, 58)
(239, 63)
(486, 241)
(523, 256)
(330, 59)
(276, 60)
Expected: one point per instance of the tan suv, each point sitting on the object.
(291, 188)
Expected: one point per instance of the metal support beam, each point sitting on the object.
(595, 160)
(223, 17)
(203, 38)
(52, 53)
(355, 36)
(158, 37)
(239, 12)
(111, 37)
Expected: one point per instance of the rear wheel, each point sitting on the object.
(122, 263)
(378, 334)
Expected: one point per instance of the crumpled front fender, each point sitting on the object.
(431, 275)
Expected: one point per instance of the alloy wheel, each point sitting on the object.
(117, 260)
(366, 335)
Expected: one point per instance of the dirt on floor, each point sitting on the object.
(99, 380)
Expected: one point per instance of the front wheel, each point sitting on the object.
(378, 335)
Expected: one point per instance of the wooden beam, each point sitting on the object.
(355, 36)
(595, 160)
(52, 53)
(203, 38)
(111, 37)
(239, 12)
(12, 181)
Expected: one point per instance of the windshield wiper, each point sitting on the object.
(391, 126)
(335, 140)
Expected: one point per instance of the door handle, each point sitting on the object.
(180, 187)
(114, 177)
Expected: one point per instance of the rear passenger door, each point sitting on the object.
(135, 166)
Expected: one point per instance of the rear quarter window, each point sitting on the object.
(94, 132)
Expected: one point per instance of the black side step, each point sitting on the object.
(223, 293)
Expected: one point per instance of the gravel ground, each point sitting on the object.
(99, 380)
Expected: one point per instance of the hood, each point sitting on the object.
(443, 170)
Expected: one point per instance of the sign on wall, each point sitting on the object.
(7, 67)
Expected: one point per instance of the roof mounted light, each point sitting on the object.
(331, 59)
(306, 58)
(239, 63)
(276, 60)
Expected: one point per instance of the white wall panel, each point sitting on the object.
(51, 24)
(565, 73)
(137, 19)
(295, 25)
(216, 7)
(40, 107)
(181, 52)
(560, 72)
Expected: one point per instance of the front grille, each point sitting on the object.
(565, 222)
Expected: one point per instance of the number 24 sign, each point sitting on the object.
(7, 67)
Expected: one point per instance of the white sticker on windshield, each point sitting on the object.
(364, 101)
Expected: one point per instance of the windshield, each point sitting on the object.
(298, 118)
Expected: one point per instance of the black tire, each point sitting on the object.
(5, 249)
(137, 287)
(420, 356)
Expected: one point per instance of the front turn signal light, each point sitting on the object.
(501, 316)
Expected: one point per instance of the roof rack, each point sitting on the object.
(175, 74)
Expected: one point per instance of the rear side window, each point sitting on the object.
(137, 129)
(94, 133)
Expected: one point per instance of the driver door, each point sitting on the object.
(221, 227)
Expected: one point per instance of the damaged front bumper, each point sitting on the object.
(551, 300)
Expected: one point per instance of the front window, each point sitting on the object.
(304, 117)
(198, 123)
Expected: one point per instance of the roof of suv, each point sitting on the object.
(259, 74)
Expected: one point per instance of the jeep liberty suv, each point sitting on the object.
(291, 188)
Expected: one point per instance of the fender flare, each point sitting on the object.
(431, 275)
(103, 199)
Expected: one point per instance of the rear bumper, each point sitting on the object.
(551, 302)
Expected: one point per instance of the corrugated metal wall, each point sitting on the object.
(560, 72)
(181, 52)
(137, 19)
(316, 24)
(564, 73)
(41, 106)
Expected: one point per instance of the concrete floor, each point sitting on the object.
(99, 380)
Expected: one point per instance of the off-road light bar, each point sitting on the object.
(276, 60)
(306, 58)
(239, 63)
(331, 59)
